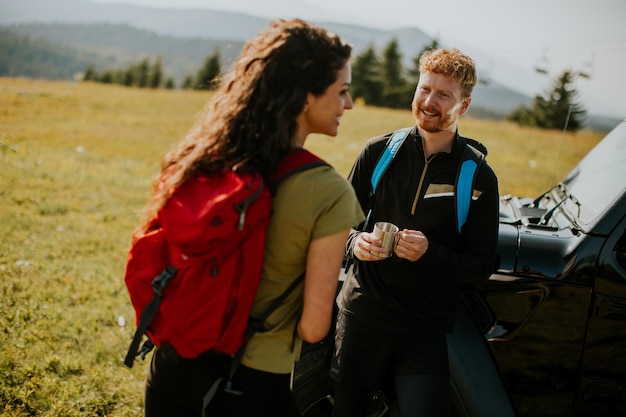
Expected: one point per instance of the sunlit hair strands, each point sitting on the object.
(250, 122)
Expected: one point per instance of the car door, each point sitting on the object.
(602, 388)
(540, 306)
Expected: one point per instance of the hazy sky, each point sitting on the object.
(508, 38)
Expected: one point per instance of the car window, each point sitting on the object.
(599, 179)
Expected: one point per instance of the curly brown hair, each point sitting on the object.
(250, 121)
(453, 63)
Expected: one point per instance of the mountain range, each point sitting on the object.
(112, 35)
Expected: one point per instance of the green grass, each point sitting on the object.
(76, 161)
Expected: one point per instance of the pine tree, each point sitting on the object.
(397, 92)
(90, 74)
(188, 83)
(128, 77)
(207, 76)
(366, 81)
(557, 110)
(106, 77)
(155, 76)
(562, 111)
(142, 71)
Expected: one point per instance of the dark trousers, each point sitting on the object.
(177, 386)
(412, 370)
(414, 395)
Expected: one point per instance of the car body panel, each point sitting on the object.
(557, 302)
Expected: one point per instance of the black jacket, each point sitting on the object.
(420, 297)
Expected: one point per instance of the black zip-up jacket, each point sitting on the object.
(420, 297)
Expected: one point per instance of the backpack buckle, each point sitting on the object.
(161, 281)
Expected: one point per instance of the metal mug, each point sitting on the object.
(386, 232)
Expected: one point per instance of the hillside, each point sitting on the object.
(198, 23)
(209, 26)
(112, 35)
(25, 56)
(106, 46)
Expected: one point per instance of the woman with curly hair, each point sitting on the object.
(291, 80)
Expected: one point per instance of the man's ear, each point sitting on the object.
(465, 104)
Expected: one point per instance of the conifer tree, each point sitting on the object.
(90, 74)
(396, 92)
(558, 109)
(155, 76)
(366, 81)
(188, 83)
(142, 73)
(128, 77)
(562, 109)
(106, 77)
(207, 76)
(169, 83)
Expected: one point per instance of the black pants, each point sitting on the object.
(412, 369)
(175, 387)
(414, 395)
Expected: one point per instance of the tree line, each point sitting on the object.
(140, 74)
(144, 74)
(378, 79)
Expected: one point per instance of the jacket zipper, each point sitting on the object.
(421, 183)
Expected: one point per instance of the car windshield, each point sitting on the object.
(600, 177)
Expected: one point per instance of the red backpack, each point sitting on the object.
(192, 278)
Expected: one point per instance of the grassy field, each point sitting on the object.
(76, 161)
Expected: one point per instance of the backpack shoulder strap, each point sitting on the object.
(297, 160)
(471, 160)
(391, 149)
(384, 160)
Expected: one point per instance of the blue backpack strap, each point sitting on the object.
(393, 144)
(470, 162)
(391, 149)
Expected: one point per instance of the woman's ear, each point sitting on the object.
(306, 103)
